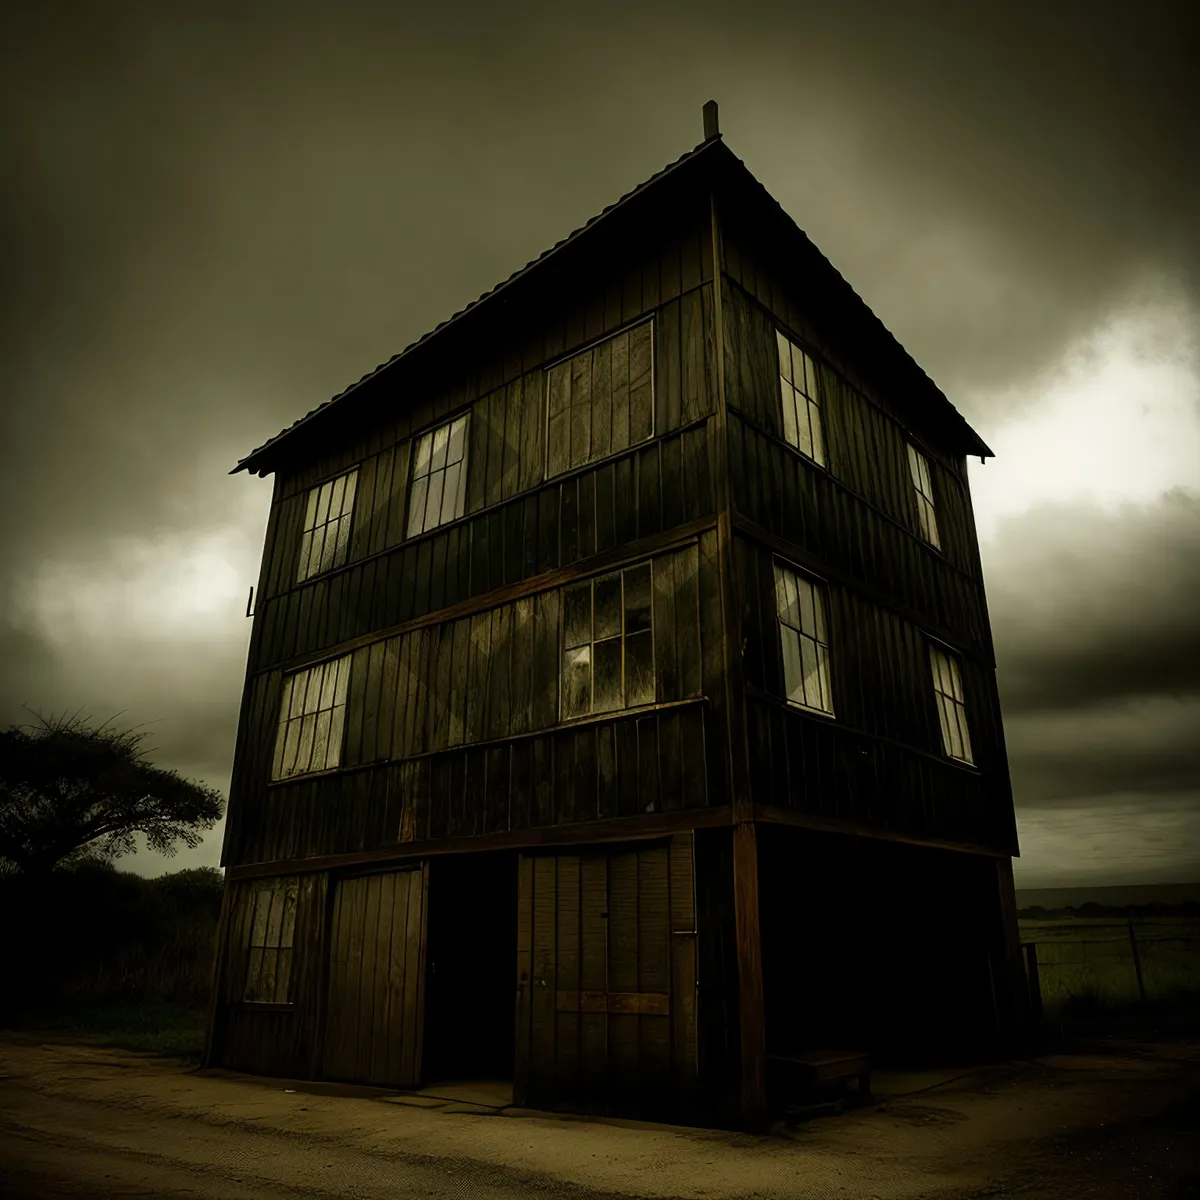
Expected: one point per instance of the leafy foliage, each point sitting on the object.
(71, 792)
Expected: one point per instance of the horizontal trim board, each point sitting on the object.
(813, 564)
(847, 490)
(770, 814)
(670, 539)
(400, 854)
(656, 1004)
(757, 693)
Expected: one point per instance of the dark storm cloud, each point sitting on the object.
(215, 217)
(1089, 607)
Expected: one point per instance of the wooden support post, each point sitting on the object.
(750, 982)
(1016, 1010)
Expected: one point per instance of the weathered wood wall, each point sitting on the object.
(606, 977)
(274, 1039)
(451, 732)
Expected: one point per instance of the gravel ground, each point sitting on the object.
(79, 1120)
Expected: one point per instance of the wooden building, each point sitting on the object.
(620, 709)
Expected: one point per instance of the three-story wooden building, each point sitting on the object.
(620, 706)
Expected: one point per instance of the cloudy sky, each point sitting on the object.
(215, 217)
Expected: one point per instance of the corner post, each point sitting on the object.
(751, 1024)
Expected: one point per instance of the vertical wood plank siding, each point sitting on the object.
(271, 1039)
(418, 702)
(879, 761)
(606, 971)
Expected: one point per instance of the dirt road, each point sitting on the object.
(77, 1120)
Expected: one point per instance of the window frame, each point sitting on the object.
(547, 473)
(812, 403)
(819, 589)
(646, 632)
(918, 470)
(340, 687)
(320, 500)
(262, 940)
(430, 436)
(957, 704)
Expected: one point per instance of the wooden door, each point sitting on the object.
(375, 1015)
(606, 977)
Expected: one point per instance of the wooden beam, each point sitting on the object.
(751, 1019)
(617, 829)
(773, 815)
(670, 539)
(1017, 1008)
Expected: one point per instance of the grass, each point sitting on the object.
(167, 1029)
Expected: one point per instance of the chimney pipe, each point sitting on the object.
(711, 128)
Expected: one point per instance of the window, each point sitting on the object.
(608, 643)
(918, 467)
(439, 478)
(326, 533)
(802, 632)
(601, 401)
(269, 935)
(801, 400)
(311, 716)
(952, 709)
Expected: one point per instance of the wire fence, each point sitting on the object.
(1115, 961)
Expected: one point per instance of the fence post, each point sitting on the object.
(1137, 962)
(1035, 988)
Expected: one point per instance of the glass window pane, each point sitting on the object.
(456, 447)
(460, 491)
(291, 746)
(785, 355)
(964, 735)
(277, 760)
(818, 596)
(810, 380)
(823, 674)
(304, 569)
(306, 692)
(310, 509)
(433, 505)
(342, 543)
(608, 607)
(343, 679)
(637, 599)
(577, 614)
(421, 458)
(639, 669)
(328, 541)
(337, 489)
(793, 676)
(441, 442)
(328, 673)
(449, 493)
(812, 682)
(808, 618)
(321, 740)
(913, 470)
(333, 752)
(323, 504)
(955, 680)
(788, 400)
(803, 441)
(818, 440)
(266, 976)
(608, 676)
(945, 719)
(348, 498)
(782, 600)
(304, 745)
(577, 681)
(416, 506)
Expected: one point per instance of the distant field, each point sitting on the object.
(1097, 959)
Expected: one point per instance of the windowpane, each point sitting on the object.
(639, 668)
(323, 504)
(304, 748)
(449, 493)
(441, 442)
(310, 509)
(421, 459)
(321, 740)
(608, 675)
(305, 569)
(608, 607)
(577, 681)
(253, 974)
(260, 914)
(458, 441)
(785, 356)
(333, 752)
(803, 441)
(336, 490)
(637, 599)
(791, 434)
(808, 660)
(818, 442)
(416, 506)
(810, 380)
(433, 502)
(808, 618)
(325, 539)
(577, 615)
(793, 675)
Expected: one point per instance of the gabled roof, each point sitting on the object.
(712, 154)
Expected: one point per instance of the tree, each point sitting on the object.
(72, 792)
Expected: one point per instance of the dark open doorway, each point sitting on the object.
(470, 999)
